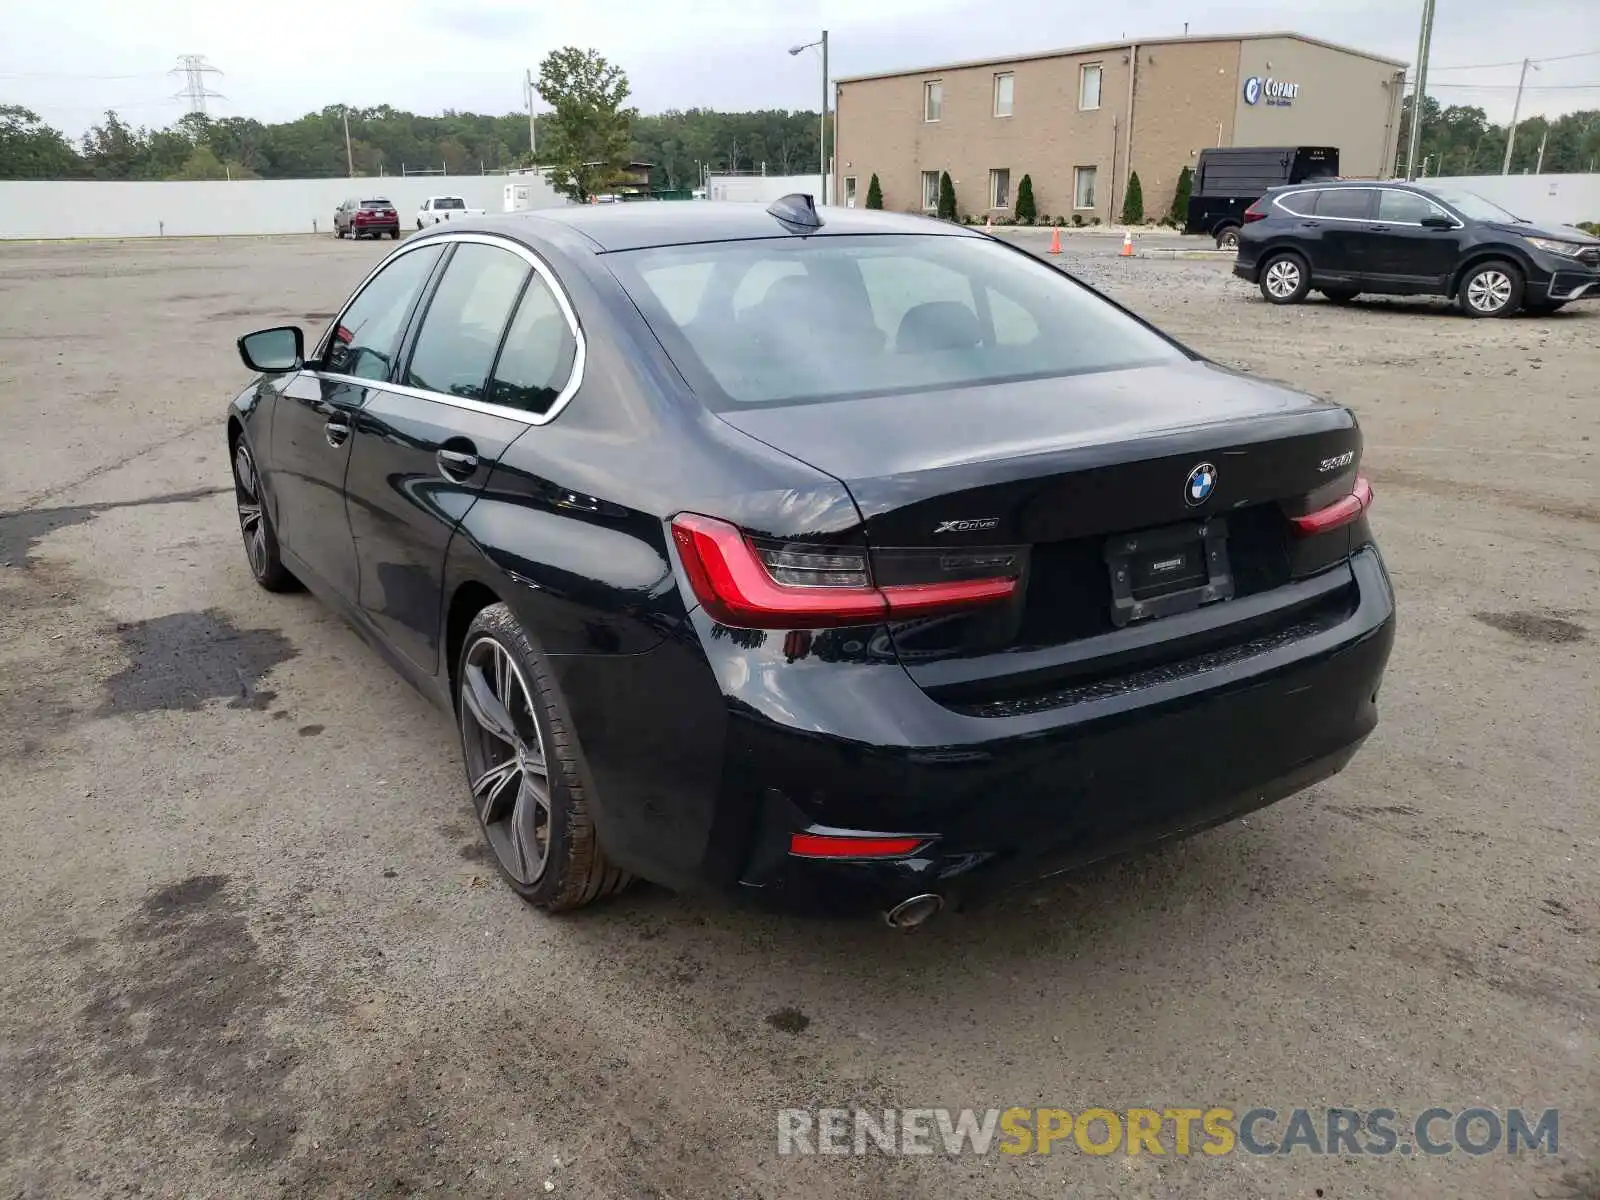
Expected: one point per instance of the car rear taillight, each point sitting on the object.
(1256, 212)
(1341, 512)
(770, 585)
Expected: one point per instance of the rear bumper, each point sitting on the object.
(375, 226)
(703, 786)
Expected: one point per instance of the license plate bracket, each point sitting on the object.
(1173, 569)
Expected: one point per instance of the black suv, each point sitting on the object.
(1401, 239)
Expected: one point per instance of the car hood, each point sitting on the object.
(1561, 233)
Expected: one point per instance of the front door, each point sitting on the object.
(424, 451)
(314, 421)
(1405, 252)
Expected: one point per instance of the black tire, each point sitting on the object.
(499, 664)
(1491, 289)
(255, 525)
(394, 234)
(1285, 278)
(1228, 237)
(419, 224)
(1341, 295)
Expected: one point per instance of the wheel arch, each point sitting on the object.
(470, 598)
(1485, 254)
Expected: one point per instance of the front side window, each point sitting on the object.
(1000, 188)
(932, 100)
(536, 361)
(842, 316)
(930, 191)
(1083, 179)
(461, 330)
(1406, 208)
(1089, 86)
(1004, 87)
(1350, 204)
(367, 336)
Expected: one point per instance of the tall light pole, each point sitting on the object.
(1516, 108)
(822, 132)
(1424, 41)
(533, 133)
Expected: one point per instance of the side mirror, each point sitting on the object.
(274, 351)
(1435, 221)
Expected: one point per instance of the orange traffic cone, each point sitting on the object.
(1055, 241)
(1127, 244)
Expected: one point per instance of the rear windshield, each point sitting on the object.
(449, 202)
(792, 320)
(376, 204)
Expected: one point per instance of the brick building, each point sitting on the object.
(1076, 119)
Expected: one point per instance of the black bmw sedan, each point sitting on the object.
(857, 561)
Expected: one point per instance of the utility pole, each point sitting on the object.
(194, 68)
(822, 136)
(1538, 166)
(349, 158)
(1420, 92)
(533, 134)
(1516, 108)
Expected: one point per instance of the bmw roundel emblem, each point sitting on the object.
(1202, 481)
(1252, 89)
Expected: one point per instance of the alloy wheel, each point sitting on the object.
(252, 523)
(1489, 291)
(1283, 278)
(505, 757)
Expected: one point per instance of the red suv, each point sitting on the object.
(358, 218)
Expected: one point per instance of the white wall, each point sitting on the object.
(79, 209)
(1563, 199)
(764, 189)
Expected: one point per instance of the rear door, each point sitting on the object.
(1401, 251)
(480, 366)
(1341, 223)
(313, 425)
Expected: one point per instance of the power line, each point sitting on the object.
(1511, 87)
(1518, 62)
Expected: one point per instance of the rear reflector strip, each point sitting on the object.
(1341, 512)
(823, 845)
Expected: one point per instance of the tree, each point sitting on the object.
(1133, 202)
(202, 163)
(947, 197)
(1180, 198)
(585, 141)
(30, 149)
(1025, 209)
(874, 192)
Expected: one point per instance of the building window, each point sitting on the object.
(1089, 86)
(930, 191)
(1000, 188)
(932, 100)
(1083, 187)
(849, 191)
(1004, 85)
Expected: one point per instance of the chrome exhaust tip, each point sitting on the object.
(908, 914)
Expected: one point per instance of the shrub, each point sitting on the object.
(1133, 202)
(1024, 207)
(1077, 220)
(1180, 198)
(874, 193)
(947, 197)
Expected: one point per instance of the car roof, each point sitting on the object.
(639, 224)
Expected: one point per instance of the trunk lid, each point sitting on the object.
(1067, 469)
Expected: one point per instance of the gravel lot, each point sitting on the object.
(250, 945)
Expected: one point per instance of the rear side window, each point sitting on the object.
(1301, 204)
(539, 352)
(465, 318)
(790, 320)
(1349, 203)
(367, 336)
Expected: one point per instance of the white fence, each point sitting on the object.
(1563, 199)
(764, 189)
(78, 209)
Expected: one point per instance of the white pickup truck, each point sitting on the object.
(444, 208)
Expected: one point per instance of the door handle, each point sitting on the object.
(1310, 225)
(1377, 229)
(457, 465)
(337, 430)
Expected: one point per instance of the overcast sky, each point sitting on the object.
(71, 59)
